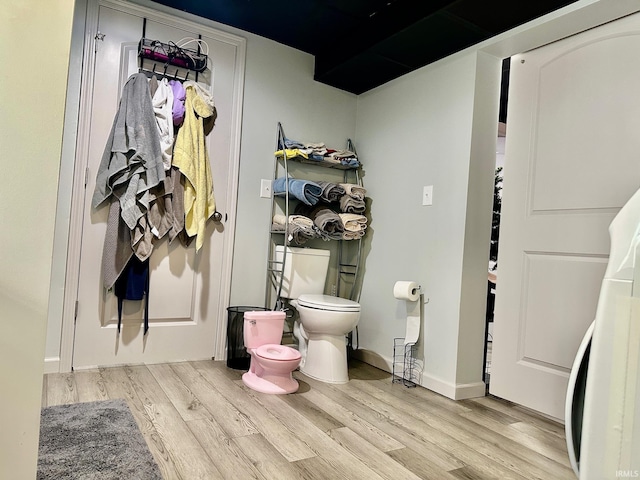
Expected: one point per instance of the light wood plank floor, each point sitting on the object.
(201, 422)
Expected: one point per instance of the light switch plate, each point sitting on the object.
(265, 188)
(427, 195)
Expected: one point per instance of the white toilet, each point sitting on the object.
(324, 320)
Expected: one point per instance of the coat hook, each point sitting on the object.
(185, 78)
(165, 69)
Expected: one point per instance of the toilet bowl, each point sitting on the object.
(324, 323)
(271, 363)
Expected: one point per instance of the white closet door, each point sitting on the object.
(186, 303)
(571, 163)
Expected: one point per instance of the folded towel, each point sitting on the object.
(318, 148)
(350, 162)
(328, 223)
(353, 222)
(349, 204)
(304, 190)
(331, 192)
(288, 143)
(291, 153)
(352, 235)
(330, 159)
(354, 190)
(300, 228)
(338, 154)
(301, 221)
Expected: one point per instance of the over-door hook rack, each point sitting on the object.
(172, 54)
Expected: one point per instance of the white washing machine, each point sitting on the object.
(602, 418)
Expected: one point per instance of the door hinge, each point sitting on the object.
(86, 177)
(75, 313)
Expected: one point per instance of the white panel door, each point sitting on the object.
(572, 161)
(185, 288)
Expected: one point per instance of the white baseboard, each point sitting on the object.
(470, 390)
(374, 359)
(447, 389)
(52, 365)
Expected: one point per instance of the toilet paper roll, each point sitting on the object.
(410, 293)
(404, 290)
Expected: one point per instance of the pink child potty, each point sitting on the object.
(271, 363)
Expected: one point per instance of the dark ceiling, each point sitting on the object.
(360, 44)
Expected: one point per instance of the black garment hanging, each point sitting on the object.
(133, 284)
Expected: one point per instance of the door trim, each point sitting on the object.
(80, 165)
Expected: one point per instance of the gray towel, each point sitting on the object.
(166, 212)
(142, 239)
(132, 159)
(328, 222)
(177, 204)
(299, 230)
(331, 192)
(348, 204)
(116, 251)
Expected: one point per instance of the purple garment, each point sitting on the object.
(179, 95)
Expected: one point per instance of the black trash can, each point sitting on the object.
(237, 356)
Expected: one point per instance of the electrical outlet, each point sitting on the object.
(427, 195)
(265, 188)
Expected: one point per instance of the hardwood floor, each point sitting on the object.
(201, 422)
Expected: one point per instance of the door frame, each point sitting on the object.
(79, 160)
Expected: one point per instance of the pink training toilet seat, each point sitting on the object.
(277, 352)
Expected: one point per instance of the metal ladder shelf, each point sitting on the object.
(347, 266)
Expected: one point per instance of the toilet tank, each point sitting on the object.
(305, 270)
(263, 327)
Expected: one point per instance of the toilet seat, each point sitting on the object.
(272, 351)
(328, 302)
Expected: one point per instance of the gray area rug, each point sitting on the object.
(94, 440)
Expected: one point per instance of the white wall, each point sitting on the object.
(408, 141)
(30, 138)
